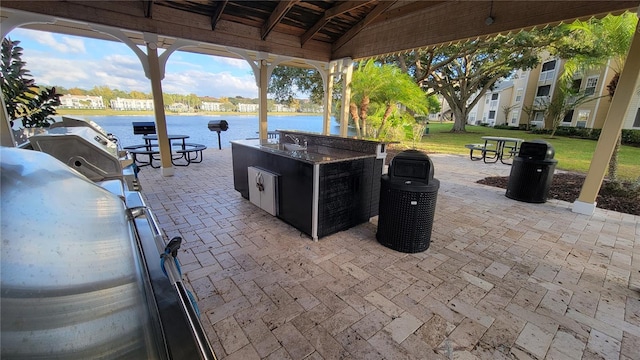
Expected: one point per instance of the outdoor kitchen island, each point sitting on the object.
(321, 184)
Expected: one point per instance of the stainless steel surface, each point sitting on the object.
(83, 149)
(314, 154)
(71, 284)
(263, 187)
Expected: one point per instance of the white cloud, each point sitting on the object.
(66, 44)
(112, 64)
(238, 63)
(210, 84)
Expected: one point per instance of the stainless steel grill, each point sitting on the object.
(81, 273)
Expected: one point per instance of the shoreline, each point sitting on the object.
(88, 112)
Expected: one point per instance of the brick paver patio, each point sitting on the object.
(502, 279)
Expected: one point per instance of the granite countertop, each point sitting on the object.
(314, 154)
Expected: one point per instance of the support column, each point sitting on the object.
(328, 98)
(158, 110)
(347, 74)
(262, 92)
(586, 202)
(6, 132)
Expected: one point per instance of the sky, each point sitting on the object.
(72, 61)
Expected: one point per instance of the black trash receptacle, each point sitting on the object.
(407, 203)
(532, 172)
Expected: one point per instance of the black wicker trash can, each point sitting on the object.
(407, 203)
(532, 172)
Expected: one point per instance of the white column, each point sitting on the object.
(6, 133)
(347, 74)
(262, 96)
(158, 109)
(328, 98)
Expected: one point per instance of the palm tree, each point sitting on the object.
(382, 87)
(609, 40)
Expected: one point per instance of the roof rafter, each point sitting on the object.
(371, 16)
(218, 13)
(330, 14)
(278, 13)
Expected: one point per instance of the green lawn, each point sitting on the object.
(572, 154)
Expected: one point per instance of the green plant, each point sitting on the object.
(23, 98)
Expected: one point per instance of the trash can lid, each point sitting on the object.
(536, 150)
(411, 165)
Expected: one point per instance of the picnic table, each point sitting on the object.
(495, 148)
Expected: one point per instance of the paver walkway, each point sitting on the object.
(501, 279)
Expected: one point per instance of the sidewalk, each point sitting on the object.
(501, 279)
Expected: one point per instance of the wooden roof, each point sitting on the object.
(320, 30)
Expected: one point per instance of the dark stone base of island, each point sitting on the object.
(318, 197)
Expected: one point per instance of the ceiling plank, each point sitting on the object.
(436, 26)
(371, 16)
(218, 13)
(328, 15)
(278, 13)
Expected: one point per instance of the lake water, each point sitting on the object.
(240, 127)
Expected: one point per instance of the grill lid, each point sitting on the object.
(71, 284)
(218, 125)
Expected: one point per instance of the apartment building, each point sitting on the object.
(131, 104)
(493, 108)
(534, 88)
(81, 102)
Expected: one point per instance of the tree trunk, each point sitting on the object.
(353, 109)
(387, 113)
(613, 162)
(459, 120)
(364, 107)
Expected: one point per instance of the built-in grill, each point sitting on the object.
(86, 149)
(86, 271)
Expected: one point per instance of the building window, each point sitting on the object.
(548, 71)
(514, 117)
(568, 116)
(494, 96)
(519, 95)
(575, 85)
(538, 116)
(583, 118)
(543, 90)
(486, 99)
(472, 117)
(590, 89)
(492, 115)
(549, 65)
(636, 122)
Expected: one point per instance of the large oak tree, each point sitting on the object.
(464, 71)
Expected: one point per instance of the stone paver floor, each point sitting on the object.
(501, 279)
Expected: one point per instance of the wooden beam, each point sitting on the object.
(278, 13)
(462, 20)
(330, 14)
(406, 10)
(377, 11)
(148, 7)
(218, 13)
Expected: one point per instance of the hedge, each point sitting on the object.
(629, 136)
